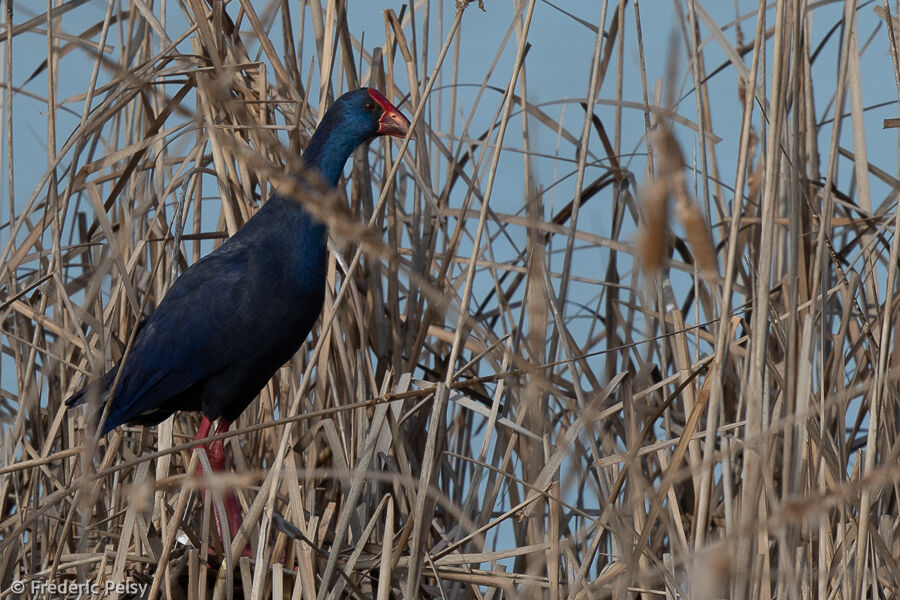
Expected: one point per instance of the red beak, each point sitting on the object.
(392, 122)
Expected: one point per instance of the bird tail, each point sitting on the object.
(98, 389)
(95, 395)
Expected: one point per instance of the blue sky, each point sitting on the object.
(557, 69)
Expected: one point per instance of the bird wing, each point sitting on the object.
(180, 343)
(229, 321)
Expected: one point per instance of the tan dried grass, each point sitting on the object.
(473, 416)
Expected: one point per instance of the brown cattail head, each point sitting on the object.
(652, 240)
(696, 231)
(669, 159)
(653, 236)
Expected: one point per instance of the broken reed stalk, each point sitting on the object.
(729, 434)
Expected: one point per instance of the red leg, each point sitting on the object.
(215, 452)
(203, 430)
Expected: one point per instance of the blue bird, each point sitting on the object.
(236, 315)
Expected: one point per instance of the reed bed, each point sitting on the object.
(595, 371)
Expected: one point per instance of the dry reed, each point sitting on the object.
(494, 403)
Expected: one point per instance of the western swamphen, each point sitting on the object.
(235, 316)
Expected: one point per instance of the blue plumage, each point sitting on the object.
(234, 317)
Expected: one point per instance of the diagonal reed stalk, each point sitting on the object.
(529, 379)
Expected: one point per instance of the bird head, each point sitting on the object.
(354, 118)
(391, 121)
(369, 114)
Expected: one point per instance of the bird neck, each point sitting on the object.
(328, 151)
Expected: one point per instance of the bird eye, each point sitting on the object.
(370, 106)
